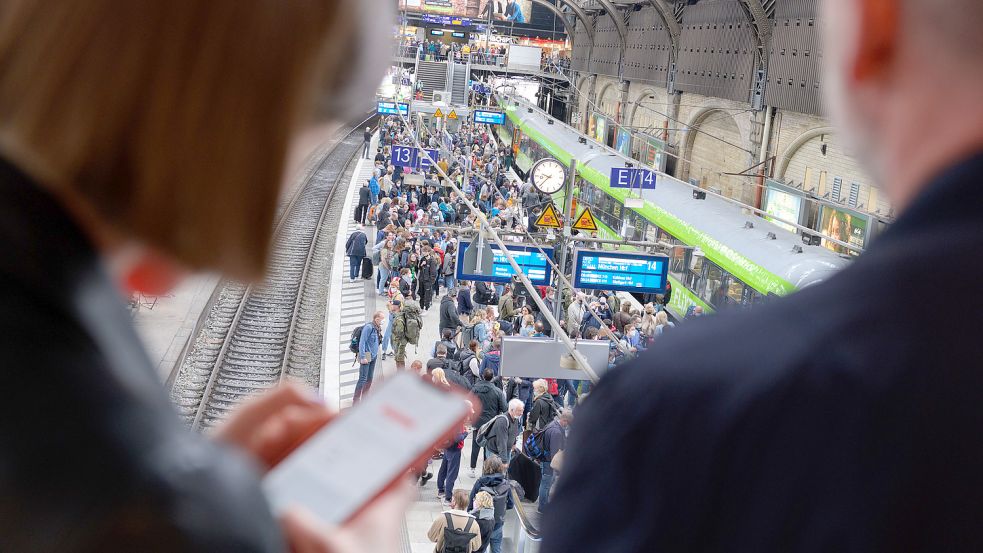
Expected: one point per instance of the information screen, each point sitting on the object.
(392, 108)
(626, 272)
(533, 264)
(489, 117)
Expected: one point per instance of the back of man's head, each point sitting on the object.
(488, 375)
(888, 59)
(441, 351)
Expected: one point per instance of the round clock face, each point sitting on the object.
(549, 176)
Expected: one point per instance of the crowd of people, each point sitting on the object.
(521, 422)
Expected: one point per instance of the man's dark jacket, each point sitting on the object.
(448, 314)
(845, 417)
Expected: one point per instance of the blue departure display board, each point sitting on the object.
(392, 108)
(489, 117)
(626, 272)
(423, 160)
(533, 264)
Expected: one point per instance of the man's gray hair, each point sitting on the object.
(565, 415)
(516, 403)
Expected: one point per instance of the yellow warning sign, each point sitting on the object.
(549, 218)
(586, 221)
(438, 113)
(452, 115)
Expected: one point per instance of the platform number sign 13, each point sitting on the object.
(404, 156)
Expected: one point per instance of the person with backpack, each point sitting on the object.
(499, 434)
(407, 325)
(506, 308)
(355, 250)
(484, 295)
(492, 405)
(493, 358)
(553, 439)
(483, 511)
(447, 339)
(455, 531)
(469, 362)
(367, 345)
(496, 484)
(544, 408)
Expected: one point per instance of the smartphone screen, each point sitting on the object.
(353, 459)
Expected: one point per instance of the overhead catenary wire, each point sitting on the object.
(486, 227)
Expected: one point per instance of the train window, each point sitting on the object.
(678, 261)
(735, 292)
(694, 277)
(716, 289)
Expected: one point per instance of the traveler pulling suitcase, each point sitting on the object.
(367, 269)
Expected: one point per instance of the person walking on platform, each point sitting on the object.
(492, 404)
(122, 170)
(496, 484)
(429, 265)
(355, 249)
(454, 530)
(450, 465)
(449, 319)
(554, 441)
(504, 431)
(407, 325)
(364, 201)
(366, 142)
(368, 350)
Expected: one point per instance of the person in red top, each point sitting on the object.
(450, 465)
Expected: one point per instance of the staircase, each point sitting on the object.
(459, 83)
(433, 76)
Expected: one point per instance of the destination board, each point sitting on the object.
(489, 117)
(498, 269)
(392, 108)
(626, 272)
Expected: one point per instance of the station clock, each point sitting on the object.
(548, 176)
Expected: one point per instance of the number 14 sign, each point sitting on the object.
(627, 177)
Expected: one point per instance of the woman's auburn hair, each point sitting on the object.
(170, 121)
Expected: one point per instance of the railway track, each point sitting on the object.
(257, 336)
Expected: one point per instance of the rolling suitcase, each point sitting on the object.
(367, 269)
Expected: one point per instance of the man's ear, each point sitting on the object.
(877, 45)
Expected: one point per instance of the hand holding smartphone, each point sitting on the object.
(362, 453)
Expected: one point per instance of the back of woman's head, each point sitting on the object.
(169, 122)
(661, 318)
(483, 500)
(439, 377)
(493, 465)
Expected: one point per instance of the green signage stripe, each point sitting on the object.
(732, 261)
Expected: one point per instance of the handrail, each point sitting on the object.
(525, 524)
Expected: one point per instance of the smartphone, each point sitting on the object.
(363, 452)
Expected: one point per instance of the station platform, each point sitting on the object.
(351, 305)
(165, 323)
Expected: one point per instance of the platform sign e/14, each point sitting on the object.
(404, 156)
(627, 177)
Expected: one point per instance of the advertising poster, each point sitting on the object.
(844, 225)
(783, 205)
(624, 142)
(504, 11)
(601, 129)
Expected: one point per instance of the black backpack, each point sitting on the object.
(356, 339)
(500, 496)
(457, 540)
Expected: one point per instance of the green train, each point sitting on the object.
(728, 262)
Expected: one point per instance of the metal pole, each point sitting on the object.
(565, 238)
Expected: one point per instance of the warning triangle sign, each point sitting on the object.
(438, 113)
(549, 218)
(452, 115)
(586, 221)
